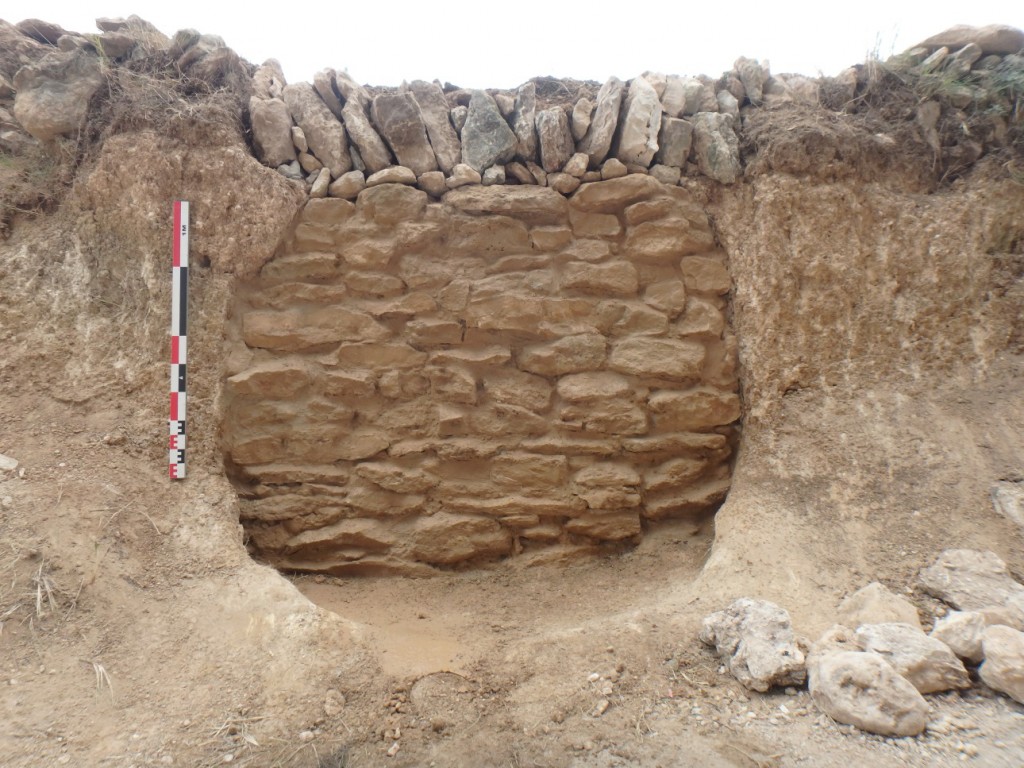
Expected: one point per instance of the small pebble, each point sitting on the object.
(306, 736)
(594, 677)
(393, 749)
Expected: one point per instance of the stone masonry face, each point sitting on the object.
(414, 384)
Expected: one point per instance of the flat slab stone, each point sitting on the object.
(536, 205)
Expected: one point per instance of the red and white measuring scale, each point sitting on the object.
(179, 339)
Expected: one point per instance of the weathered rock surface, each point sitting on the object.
(862, 689)
(1008, 500)
(1003, 669)
(398, 117)
(969, 579)
(271, 131)
(757, 638)
(640, 125)
(486, 137)
(434, 110)
(674, 142)
(53, 95)
(962, 632)
(325, 135)
(926, 662)
(372, 150)
(524, 118)
(716, 147)
(993, 39)
(876, 604)
(554, 138)
(597, 142)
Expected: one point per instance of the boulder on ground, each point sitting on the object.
(757, 637)
(1003, 669)
(970, 579)
(862, 689)
(927, 663)
(875, 604)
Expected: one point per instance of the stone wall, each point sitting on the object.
(416, 384)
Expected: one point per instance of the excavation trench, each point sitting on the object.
(416, 385)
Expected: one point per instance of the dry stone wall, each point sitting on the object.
(414, 384)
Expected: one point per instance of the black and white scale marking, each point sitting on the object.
(179, 339)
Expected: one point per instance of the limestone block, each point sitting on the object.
(608, 474)
(572, 354)
(348, 185)
(705, 274)
(550, 505)
(380, 356)
(506, 312)
(573, 446)
(520, 173)
(260, 449)
(665, 240)
(634, 318)
(582, 112)
(512, 387)
(373, 535)
(320, 411)
(615, 194)
(550, 238)
(490, 356)
(702, 318)
(532, 204)
(446, 539)
(563, 183)
(545, 532)
(666, 174)
(500, 420)
(676, 473)
(612, 168)
(433, 183)
(639, 125)
(594, 224)
(489, 235)
(434, 110)
(756, 639)
(301, 266)
(524, 115)
(52, 95)
(486, 138)
(395, 174)
(1003, 669)
(657, 358)
(678, 442)
(962, 632)
(326, 474)
(649, 210)
(398, 117)
(611, 417)
(668, 296)
(520, 469)
(875, 604)
(252, 414)
(598, 140)
(588, 387)
(392, 203)
(400, 308)
(555, 139)
(271, 131)
(587, 250)
(321, 182)
(862, 689)
(494, 176)
(403, 384)
(693, 499)
(349, 382)
(577, 165)
(674, 142)
(970, 579)
(616, 526)
(273, 378)
(615, 279)
(927, 663)
(328, 213)
(451, 384)
(324, 134)
(371, 146)
(299, 330)
(433, 331)
(377, 284)
(695, 409)
(716, 147)
(373, 501)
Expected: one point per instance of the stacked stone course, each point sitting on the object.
(417, 384)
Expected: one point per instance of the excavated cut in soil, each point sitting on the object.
(419, 385)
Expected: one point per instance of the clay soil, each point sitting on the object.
(879, 324)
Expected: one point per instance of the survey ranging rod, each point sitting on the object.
(179, 338)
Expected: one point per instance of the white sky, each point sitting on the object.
(495, 44)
